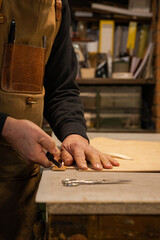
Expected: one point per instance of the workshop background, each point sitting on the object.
(117, 44)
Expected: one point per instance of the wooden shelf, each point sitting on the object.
(110, 130)
(99, 14)
(77, 39)
(117, 18)
(109, 81)
(48, 130)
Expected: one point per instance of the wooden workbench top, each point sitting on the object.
(140, 196)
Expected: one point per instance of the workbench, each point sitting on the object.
(101, 212)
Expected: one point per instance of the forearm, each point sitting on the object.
(62, 107)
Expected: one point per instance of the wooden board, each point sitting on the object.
(145, 154)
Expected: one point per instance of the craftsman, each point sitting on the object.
(23, 143)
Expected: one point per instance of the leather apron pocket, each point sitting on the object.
(23, 68)
(22, 92)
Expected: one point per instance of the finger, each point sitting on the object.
(66, 157)
(106, 161)
(113, 161)
(79, 157)
(94, 159)
(49, 144)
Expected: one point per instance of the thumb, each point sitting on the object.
(43, 160)
(49, 144)
(66, 157)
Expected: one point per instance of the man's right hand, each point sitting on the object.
(29, 140)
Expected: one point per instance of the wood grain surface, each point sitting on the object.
(144, 155)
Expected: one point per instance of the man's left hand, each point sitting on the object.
(76, 148)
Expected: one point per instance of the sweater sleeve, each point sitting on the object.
(3, 117)
(62, 105)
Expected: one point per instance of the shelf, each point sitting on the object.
(77, 39)
(109, 130)
(117, 18)
(109, 81)
(48, 130)
(100, 14)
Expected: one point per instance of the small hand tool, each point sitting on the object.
(75, 182)
(11, 37)
(51, 158)
(44, 42)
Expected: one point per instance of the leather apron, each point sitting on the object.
(19, 179)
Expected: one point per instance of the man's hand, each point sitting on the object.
(29, 141)
(77, 148)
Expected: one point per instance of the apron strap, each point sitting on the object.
(58, 6)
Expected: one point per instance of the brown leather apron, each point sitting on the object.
(19, 179)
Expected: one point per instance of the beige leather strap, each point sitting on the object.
(58, 6)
